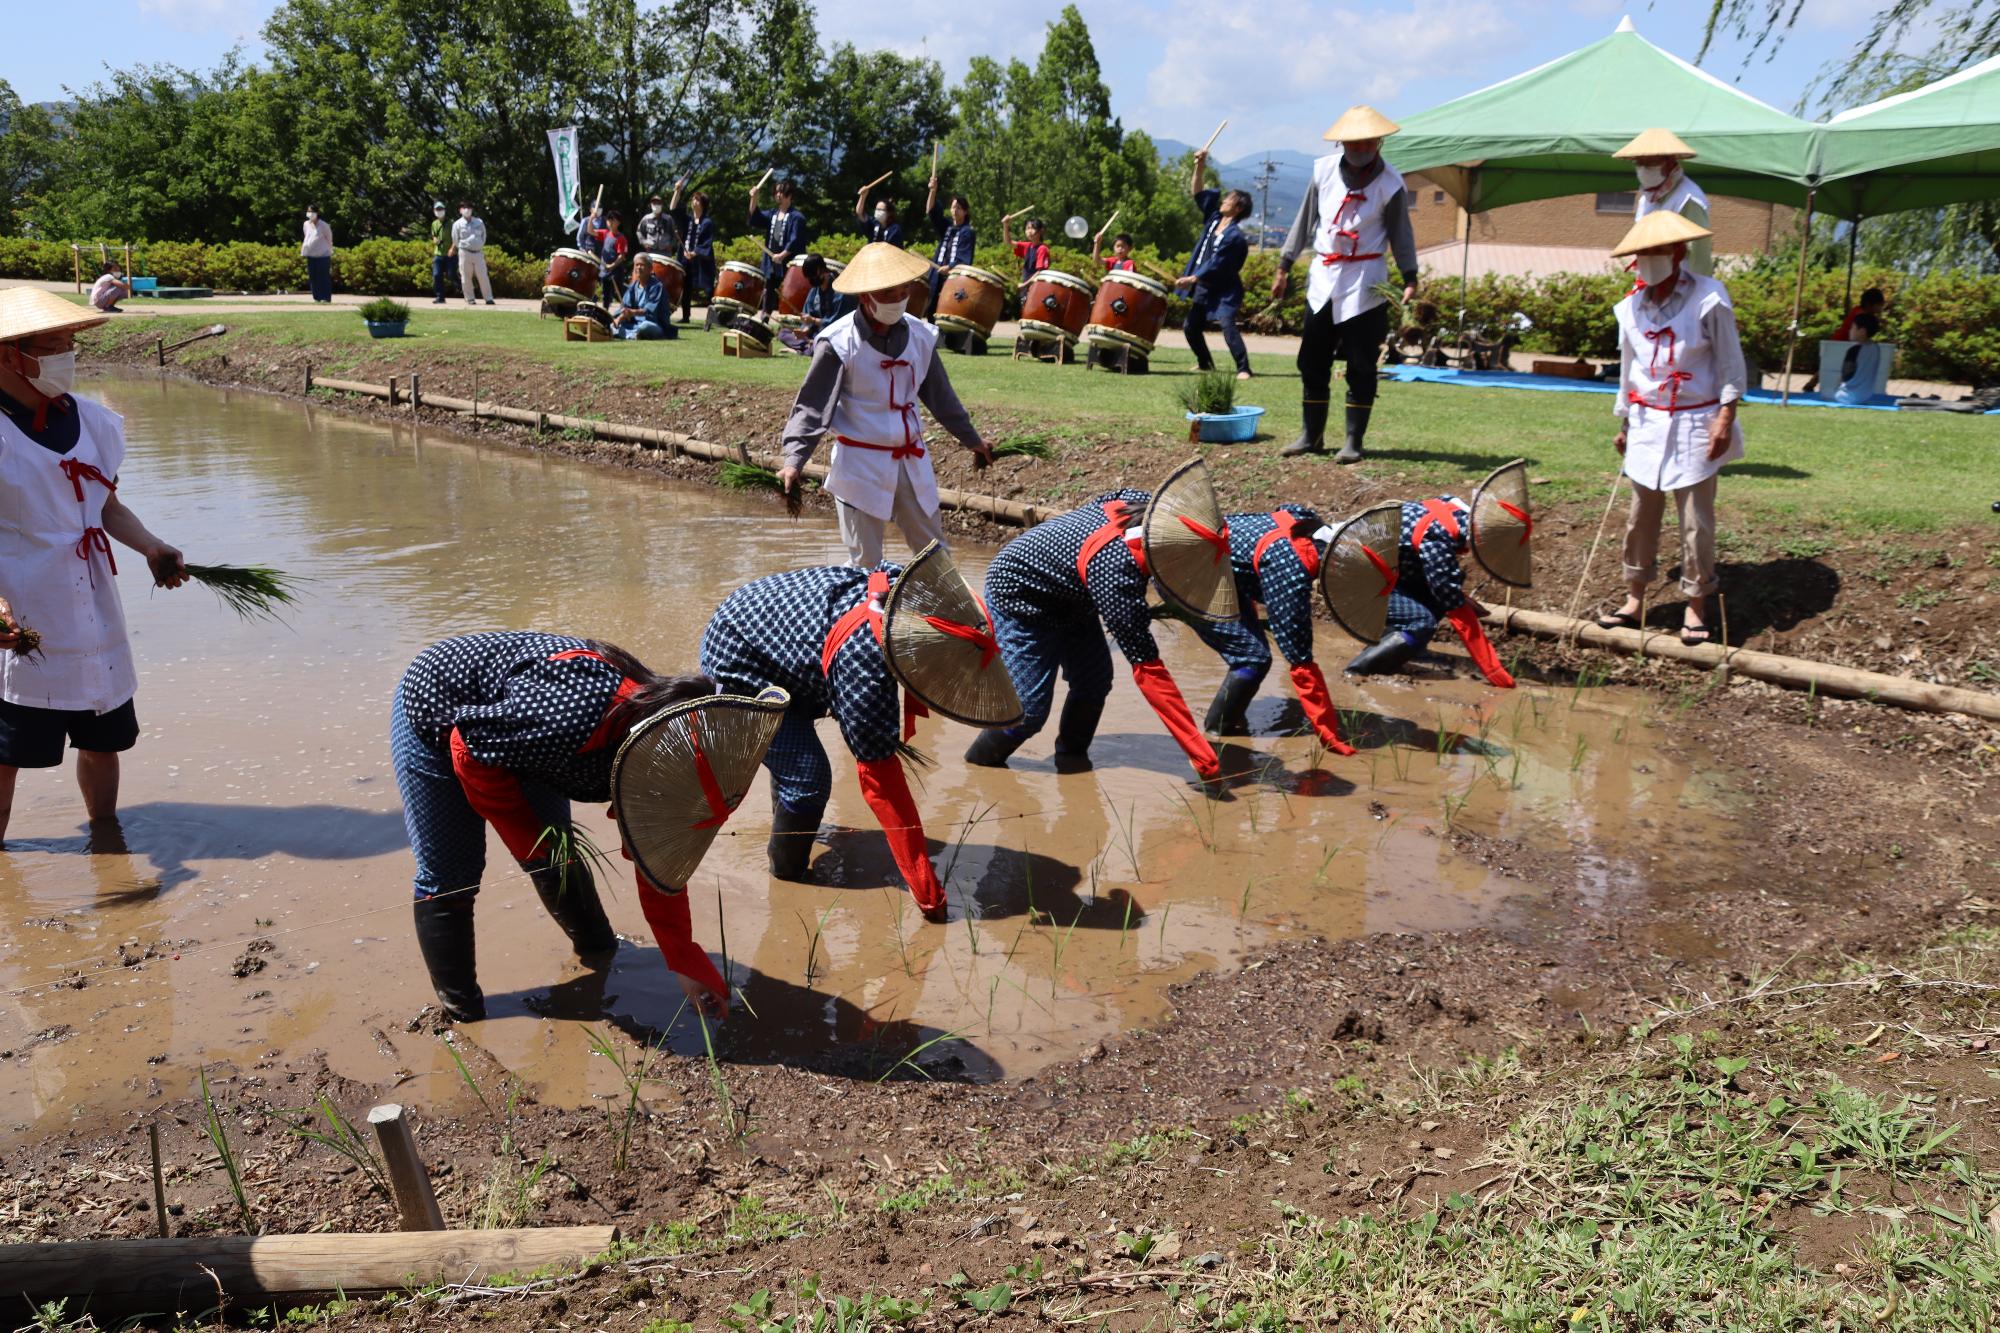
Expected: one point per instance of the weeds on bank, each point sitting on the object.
(340, 1137)
(623, 1112)
(212, 1127)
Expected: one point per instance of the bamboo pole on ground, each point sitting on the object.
(122, 1278)
(416, 1204)
(1821, 677)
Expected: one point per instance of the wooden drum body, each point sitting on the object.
(792, 292)
(970, 300)
(739, 287)
(1055, 305)
(920, 298)
(1129, 310)
(572, 277)
(670, 273)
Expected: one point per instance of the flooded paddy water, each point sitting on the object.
(255, 899)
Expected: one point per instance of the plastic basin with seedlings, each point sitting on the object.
(385, 318)
(1226, 427)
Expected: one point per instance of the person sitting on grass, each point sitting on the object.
(823, 305)
(109, 289)
(643, 313)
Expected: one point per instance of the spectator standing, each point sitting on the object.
(442, 263)
(109, 289)
(317, 247)
(658, 233)
(468, 245)
(1657, 157)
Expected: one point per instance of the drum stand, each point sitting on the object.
(1117, 356)
(965, 342)
(1050, 351)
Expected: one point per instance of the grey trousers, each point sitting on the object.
(1694, 508)
(862, 533)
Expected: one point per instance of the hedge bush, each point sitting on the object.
(1947, 324)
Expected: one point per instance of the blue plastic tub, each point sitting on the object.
(395, 330)
(1228, 427)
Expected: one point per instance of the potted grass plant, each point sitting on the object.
(385, 318)
(1212, 414)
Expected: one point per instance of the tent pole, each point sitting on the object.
(1464, 270)
(1798, 299)
(1853, 240)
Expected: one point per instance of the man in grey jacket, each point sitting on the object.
(468, 242)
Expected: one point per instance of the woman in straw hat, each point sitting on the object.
(1681, 374)
(508, 729)
(59, 461)
(1656, 156)
(1353, 217)
(835, 639)
(869, 371)
(1275, 560)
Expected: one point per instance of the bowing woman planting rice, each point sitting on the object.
(507, 729)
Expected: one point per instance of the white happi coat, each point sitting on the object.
(1351, 245)
(1687, 199)
(1672, 389)
(56, 567)
(877, 427)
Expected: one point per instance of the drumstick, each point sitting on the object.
(597, 202)
(753, 189)
(877, 181)
(934, 158)
(1213, 137)
(1108, 221)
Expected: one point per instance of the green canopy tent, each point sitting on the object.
(1937, 145)
(1551, 131)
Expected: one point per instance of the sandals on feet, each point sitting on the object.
(1694, 634)
(1618, 620)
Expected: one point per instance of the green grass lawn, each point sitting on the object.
(1806, 466)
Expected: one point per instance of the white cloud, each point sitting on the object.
(951, 37)
(235, 17)
(1283, 71)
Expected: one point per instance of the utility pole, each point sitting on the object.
(1268, 172)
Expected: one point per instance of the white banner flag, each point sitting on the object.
(569, 184)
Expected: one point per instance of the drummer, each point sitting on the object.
(697, 250)
(870, 370)
(954, 238)
(1120, 260)
(784, 229)
(614, 254)
(643, 313)
(1214, 275)
(1275, 558)
(1033, 252)
(881, 224)
(1355, 213)
(822, 306)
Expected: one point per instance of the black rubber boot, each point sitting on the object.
(1076, 730)
(1312, 440)
(1226, 712)
(791, 842)
(1357, 431)
(569, 894)
(444, 937)
(992, 747)
(1390, 655)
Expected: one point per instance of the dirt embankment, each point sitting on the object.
(1925, 607)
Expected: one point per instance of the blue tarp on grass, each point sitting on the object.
(1514, 379)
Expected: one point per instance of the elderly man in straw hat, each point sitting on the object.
(1656, 155)
(1681, 374)
(59, 512)
(870, 370)
(1355, 215)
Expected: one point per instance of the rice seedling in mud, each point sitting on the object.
(27, 642)
(965, 830)
(1125, 824)
(339, 1136)
(1206, 835)
(1578, 753)
(212, 1126)
(510, 1194)
(718, 1084)
(623, 1113)
(750, 477)
(910, 1058)
(1165, 909)
(814, 931)
(1060, 941)
(1319, 876)
(570, 845)
(254, 592)
(1036, 445)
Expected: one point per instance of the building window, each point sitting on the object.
(1620, 201)
(1409, 197)
(1437, 196)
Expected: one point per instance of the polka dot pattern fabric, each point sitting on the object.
(1033, 580)
(772, 632)
(1430, 583)
(516, 707)
(1283, 587)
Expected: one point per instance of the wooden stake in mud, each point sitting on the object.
(475, 393)
(392, 391)
(416, 392)
(159, 1180)
(416, 1205)
(160, 351)
(1584, 577)
(309, 377)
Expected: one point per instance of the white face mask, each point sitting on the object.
(312, 217)
(881, 215)
(55, 374)
(1651, 178)
(887, 312)
(465, 213)
(1655, 269)
(659, 209)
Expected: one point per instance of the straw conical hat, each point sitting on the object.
(1187, 545)
(939, 643)
(1502, 523)
(1657, 229)
(1361, 122)
(27, 311)
(1358, 570)
(878, 266)
(681, 773)
(1656, 143)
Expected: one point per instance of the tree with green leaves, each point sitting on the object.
(883, 111)
(27, 152)
(1968, 32)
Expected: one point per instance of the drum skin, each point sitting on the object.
(741, 284)
(756, 330)
(571, 271)
(971, 298)
(1056, 299)
(1130, 309)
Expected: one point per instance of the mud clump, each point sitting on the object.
(254, 958)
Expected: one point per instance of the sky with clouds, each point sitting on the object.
(1280, 70)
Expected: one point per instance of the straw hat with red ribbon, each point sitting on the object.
(1187, 545)
(939, 643)
(683, 771)
(1502, 524)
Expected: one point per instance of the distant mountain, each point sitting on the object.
(1291, 174)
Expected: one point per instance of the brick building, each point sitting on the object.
(1571, 234)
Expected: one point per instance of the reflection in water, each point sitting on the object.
(261, 804)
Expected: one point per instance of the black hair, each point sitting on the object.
(1870, 321)
(959, 201)
(655, 199)
(782, 187)
(465, 203)
(1123, 238)
(1873, 296)
(699, 197)
(1036, 224)
(654, 693)
(1243, 202)
(312, 208)
(614, 215)
(108, 267)
(813, 267)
